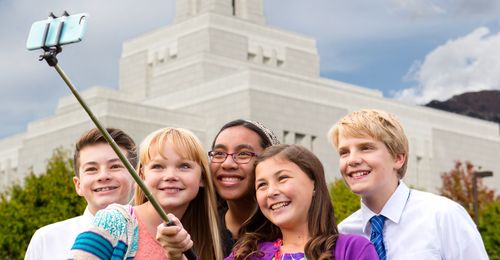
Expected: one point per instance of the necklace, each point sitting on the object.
(286, 256)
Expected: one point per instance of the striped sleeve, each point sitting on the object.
(108, 237)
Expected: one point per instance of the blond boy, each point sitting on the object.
(402, 223)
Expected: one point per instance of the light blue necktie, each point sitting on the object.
(377, 223)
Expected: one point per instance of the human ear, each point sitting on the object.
(76, 182)
(399, 160)
(141, 171)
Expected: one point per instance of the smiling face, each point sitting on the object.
(173, 180)
(284, 193)
(368, 167)
(235, 181)
(103, 178)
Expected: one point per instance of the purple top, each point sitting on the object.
(348, 247)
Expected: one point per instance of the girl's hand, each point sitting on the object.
(174, 239)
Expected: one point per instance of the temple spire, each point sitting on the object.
(249, 10)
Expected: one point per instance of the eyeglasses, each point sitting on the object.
(239, 157)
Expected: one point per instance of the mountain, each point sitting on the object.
(482, 104)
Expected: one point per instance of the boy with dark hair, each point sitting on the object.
(101, 178)
(402, 223)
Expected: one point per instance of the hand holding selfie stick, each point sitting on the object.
(49, 55)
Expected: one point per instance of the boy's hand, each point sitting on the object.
(174, 239)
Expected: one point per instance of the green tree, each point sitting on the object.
(43, 199)
(345, 202)
(490, 229)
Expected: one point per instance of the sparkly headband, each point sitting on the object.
(271, 137)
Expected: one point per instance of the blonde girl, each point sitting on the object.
(174, 166)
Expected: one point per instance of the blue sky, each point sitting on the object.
(411, 50)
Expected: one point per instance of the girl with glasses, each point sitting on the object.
(234, 150)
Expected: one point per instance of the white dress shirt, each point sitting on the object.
(54, 241)
(421, 225)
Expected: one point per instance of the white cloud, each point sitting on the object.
(469, 63)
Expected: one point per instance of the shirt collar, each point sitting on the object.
(392, 210)
(87, 214)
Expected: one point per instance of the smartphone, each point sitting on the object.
(57, 31)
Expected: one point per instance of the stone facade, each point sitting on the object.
(217, 62)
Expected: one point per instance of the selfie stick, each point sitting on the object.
(49, 55)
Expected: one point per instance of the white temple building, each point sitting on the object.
(219, 61)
